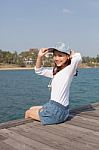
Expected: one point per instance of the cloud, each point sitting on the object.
(66, 11)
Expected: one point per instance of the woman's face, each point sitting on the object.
(60, 58)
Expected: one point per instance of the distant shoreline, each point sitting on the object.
(11, 67)
(17, 68)
(14, 67)
(21, 68)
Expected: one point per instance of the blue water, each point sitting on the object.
(21, 89)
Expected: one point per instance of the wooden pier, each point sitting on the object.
(80, 132)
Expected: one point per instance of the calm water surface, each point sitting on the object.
(20, 89)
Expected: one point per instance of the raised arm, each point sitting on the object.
(41, 53)
(48, 72)
(75, 57)
(75, 61)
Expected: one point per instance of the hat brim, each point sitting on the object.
(51, 50)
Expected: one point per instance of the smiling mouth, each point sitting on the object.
(58, 63)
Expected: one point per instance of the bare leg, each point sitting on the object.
(35, 107)
(33, 113)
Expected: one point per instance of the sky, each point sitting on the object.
(26, 24)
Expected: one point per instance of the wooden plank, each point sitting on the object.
(56, 139)
(78, 128)
(82, 122)
(91, 113)
(14, 123)
(45, 138)
(2, 137)
(64, 131)
(89, 116)
(90, 119)
(85, 120)
(4, 146)
(13, 138)
(85, 108)
(18, 145)
(81, 132)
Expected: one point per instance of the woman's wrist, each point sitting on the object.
(38, 62)
(39, 56)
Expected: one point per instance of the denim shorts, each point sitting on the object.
(53, 113)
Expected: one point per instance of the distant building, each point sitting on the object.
(28, 61)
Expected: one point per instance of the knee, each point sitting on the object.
(27, 114)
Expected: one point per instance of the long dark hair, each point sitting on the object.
(57, 69)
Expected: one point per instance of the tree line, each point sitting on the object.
(20, 59)
(29, 58)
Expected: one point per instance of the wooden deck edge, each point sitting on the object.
(18, 122)
(14, 123)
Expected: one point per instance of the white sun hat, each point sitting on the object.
(60, 47)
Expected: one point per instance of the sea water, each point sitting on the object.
(21, 89)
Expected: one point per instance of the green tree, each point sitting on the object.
(97, 59)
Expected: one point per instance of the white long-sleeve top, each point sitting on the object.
(61, 81)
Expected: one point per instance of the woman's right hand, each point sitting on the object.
(43, 52)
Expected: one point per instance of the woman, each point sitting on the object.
(56, 110)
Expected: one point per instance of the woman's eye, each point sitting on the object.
(59, 55)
